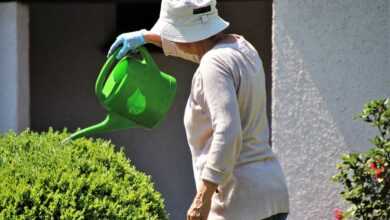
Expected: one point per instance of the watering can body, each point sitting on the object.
(134, 92)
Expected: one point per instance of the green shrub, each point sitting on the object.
(366, 175)
(83, 179)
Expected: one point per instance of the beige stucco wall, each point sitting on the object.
(329, 58)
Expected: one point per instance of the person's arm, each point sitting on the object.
(221, 99)
(208, 188)
(201, 204)
(153, 38)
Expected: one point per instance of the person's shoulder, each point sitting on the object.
(220, 55)
(216, 63)
(216, 53)
(216, 57)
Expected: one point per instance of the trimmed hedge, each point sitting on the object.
(83, 179)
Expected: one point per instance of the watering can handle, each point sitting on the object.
(111, 61)
(106, 69)
(147, 57)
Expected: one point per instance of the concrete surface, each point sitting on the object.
(329, 59)
(14, 67)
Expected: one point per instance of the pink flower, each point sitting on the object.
(338, 214)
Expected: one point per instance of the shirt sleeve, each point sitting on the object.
(220, 98)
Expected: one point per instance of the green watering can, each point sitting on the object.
(134, 92)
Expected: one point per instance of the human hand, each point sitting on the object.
(129, 41)
(200, 207)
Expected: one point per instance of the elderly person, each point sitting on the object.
(237, 175)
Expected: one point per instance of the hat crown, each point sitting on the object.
(177, 11)
(188, 20)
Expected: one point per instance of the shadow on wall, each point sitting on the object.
(68, 41)
(66, 57)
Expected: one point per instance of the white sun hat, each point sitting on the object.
(188, 20)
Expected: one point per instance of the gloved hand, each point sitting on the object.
(129, 41)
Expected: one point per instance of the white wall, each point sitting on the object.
(329, 58)
(14, 67)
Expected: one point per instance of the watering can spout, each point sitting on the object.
(111, 123)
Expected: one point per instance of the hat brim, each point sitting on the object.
(187, 34)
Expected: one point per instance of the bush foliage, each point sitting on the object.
(82, 179)
(366, 175)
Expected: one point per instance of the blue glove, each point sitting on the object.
(129, 41)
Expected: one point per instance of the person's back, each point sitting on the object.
(258, 182)
(247, 71)
(248, 68)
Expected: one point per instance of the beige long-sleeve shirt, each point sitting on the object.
(227, 130)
